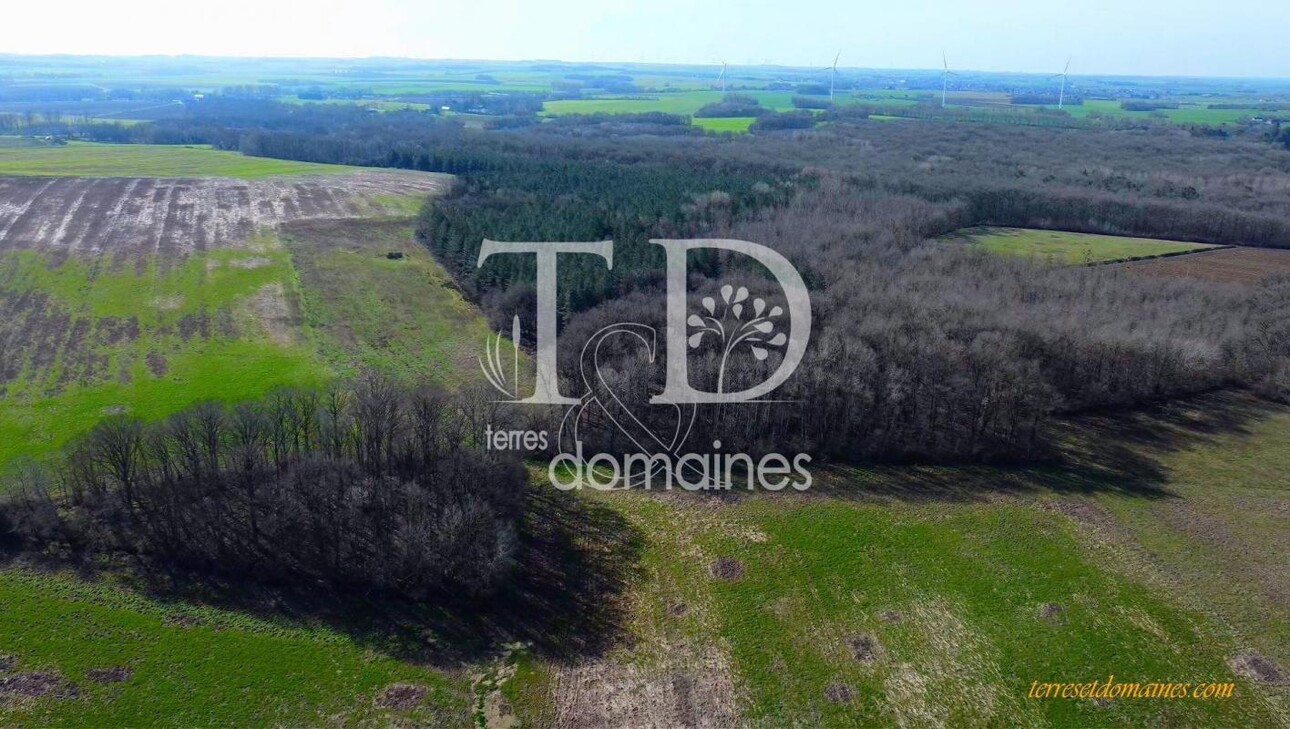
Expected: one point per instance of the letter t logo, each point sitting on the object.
(547, 387)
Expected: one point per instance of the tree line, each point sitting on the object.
(371, 486)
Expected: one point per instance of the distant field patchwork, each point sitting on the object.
(1068, 248)
(1186, 113)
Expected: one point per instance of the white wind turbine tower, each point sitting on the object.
(1064, 76)
(945, 78)
(722, 78)
(833, 73)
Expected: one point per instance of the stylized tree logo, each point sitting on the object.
(732, 330)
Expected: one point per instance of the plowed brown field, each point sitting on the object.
(1232, 265)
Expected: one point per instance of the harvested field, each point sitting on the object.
(1233, 265)
(61, 217)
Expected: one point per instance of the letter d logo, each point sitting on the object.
(678, 389)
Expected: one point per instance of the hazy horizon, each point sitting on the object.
(1152, 38)
(842, 66)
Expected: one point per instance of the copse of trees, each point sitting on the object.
(372, 486)
(797, 119)
(731, 105)
(812, 102)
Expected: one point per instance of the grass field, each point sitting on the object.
(936, 596)
(1220, 542)
(86, 159)
(365, 310)
(684, 103)
(737, 124)
(1186, 113)
(1068, 248)
(198, 666)
(148, 343)
(144, 297)
(378, 104)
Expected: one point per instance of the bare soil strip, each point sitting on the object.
(128, 216)
(1231, 265)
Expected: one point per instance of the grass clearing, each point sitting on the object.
(1062, 247)
(197, 666)
(947, 603)
(88, 159)
(684, 103)
(366, 310)
(734, 124)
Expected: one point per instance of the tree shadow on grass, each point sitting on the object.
(565, 597)
(1119, 453)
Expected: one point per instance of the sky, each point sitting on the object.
(1133, 37)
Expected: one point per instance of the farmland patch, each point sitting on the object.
(1067, 248)
(399, 314)
(1234, 265)
(87, 159)
(143, 296)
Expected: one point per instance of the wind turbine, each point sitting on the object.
(722, 78)
(833, 73)
(1064, 76)
(945, 78)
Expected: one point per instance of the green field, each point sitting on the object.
(684, 103)
(378, 104)
(364, 310)
(962, 597)
(85, 159)
(199, 666)
(727, 124)
(1065, 247)
(167, 365)
(1186, 113)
